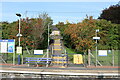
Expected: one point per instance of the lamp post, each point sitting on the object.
(96, 38)
(48, 44)
(19, 35)
(96, 46)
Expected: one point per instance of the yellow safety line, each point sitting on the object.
(56, 44)
(56, 49)
(59, 62)
(56, 39)
(59, 57)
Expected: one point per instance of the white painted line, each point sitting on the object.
(61, 73)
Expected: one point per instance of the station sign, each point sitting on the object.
(96, 38)
(102, 52)
(38, 52)
(19, 50)
(7, 46)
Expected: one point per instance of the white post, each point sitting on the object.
(89, 57)
(14, 58)
(14, 54)
(96, 52)
(47, 57)
(96, 46)
(19, 31)
(113, 57)
(48, 46)
(19, 38)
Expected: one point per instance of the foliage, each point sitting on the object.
(111, 14)
(80, 36)
(34, 31)
(109, 34)
(5, 26)
(66, 38)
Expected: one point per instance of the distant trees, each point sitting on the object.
(109, 34)
(34, 31)
(4, 26)
(111, 14)
(79, 36)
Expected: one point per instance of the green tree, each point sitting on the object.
(4, 28)
(111, 14)
(81, 34)
(108, 33)
(34, 32)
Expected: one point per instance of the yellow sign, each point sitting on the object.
(77, 59)
(19, 50)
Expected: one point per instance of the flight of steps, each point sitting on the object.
(59, 56)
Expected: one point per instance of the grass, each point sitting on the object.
(70, 52)
(25, 54)
(104, 60)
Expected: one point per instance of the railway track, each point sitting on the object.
(78, 70)
(52, 72)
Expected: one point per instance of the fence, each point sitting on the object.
(111, 59)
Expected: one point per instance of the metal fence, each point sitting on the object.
(111, 59)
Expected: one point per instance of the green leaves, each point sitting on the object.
(111, 14)
(79, 36)
(33, 32)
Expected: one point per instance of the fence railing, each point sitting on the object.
(37, 60)
(111, 59)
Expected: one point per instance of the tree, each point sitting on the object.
(81, 34)
(4, 27)
(66, 38)
(108, 33)
(111, 14)
(34, 32)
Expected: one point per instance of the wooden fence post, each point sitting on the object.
(88, 57)
(113, 56)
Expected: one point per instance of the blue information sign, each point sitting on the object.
(8, 46)
(7, 40)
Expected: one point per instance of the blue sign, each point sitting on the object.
(8, 46)
(7, 40)
(11, 47)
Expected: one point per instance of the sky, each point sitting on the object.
(59, 11)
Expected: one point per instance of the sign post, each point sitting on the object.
(102, 52)
(96, 38)
(19, 52)
(8, 46)
(113, 57)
